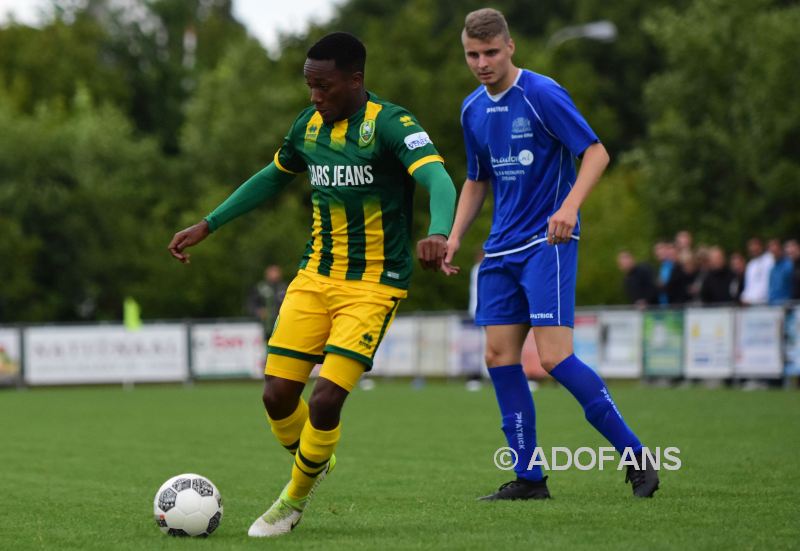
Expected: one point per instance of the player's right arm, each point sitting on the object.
(259, 188)
(473, 194)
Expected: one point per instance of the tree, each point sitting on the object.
(724, 123)
(78, 203)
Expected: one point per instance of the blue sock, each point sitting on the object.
(601, 411)
(519, 417)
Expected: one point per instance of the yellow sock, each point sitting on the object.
(288, 429)
(316, 449)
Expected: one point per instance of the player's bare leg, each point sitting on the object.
(504, 344)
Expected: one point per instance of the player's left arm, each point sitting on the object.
(565, 124)
(433, 177)
(412, 146)
(562, 222)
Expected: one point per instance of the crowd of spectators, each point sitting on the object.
(685, 274)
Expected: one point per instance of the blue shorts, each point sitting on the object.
(535, 286)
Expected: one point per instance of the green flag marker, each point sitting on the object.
(131, 314)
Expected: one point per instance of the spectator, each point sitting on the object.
(780, 276)
(682, 282)
(792, 251)
(639, 283)
(756, 275)
(265, 298)
(683, 241)
(701, 257)
(665, 254)
(716, 285)
(737, 266)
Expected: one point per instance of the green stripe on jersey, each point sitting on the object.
(357, 242)
(326, 259)
(359, 173)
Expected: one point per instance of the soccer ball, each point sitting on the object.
(188, 505)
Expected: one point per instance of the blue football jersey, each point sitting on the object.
(524, 140)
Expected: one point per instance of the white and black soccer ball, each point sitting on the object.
(188, 505)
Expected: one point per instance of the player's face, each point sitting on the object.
(333, 91)
(489, 60)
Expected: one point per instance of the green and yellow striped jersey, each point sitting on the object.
(360, 174)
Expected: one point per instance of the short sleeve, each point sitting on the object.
(476, 170)
(402, 134)
(287, 158)
(561, 117)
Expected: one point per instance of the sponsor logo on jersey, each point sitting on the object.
(340, 175)
(415, 141)
(497, 109)
(525, 158)
(407, 121)
(520, 125)
(366, 133)
(521, 128)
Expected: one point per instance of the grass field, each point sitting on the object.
(80, 467)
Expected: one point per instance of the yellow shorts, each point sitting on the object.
(321, 315)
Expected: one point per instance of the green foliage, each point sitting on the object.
(724, 132)
(613, 219)
(124, 122)
(81, 190)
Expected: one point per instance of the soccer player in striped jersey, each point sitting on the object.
(361, 155)
(521, 132)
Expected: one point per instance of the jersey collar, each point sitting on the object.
(497, 97)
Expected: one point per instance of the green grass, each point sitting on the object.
(80, 467)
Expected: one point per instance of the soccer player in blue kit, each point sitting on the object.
(521, 132)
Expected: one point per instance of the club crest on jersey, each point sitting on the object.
(520, 125)
(312, 131)
(366, 133)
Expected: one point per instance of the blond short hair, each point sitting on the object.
(485, 24)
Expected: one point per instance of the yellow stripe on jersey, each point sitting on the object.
(339, 236)
(313, 127)
(373, 236)
(423, 161)
(282, 168)
(316, 241)
(338, 134)
(372, 110)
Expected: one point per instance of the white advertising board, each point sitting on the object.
(228, 350)
(9, 356)
(466, 349)
(792, 335)
(759, 338)
(620, 344)
(398, 353)
(586, 338)
(709, 342)
(434, 343)
(105, 354)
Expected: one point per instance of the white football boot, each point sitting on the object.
(286, 513)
